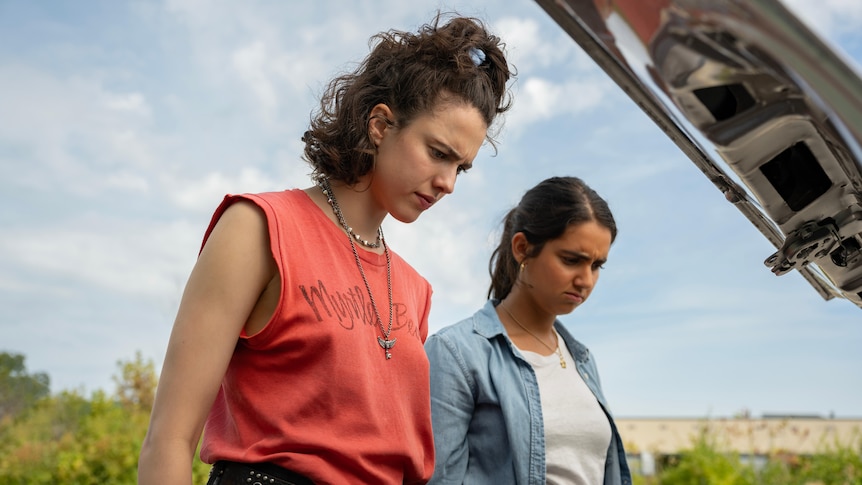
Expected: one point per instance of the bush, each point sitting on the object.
(707, 464)
(68, 438)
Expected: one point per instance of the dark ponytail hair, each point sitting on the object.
(544, 214)
(412, 73)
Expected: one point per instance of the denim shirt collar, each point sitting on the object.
(489, 326)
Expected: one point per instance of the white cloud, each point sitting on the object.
(205, 193)
(828, 17)
(540, 99)
(526, 48)
(128, 102)
(116, 256)
(128, 181)
(453, 236)
(250, 63)
(71, 133)
(532, 47)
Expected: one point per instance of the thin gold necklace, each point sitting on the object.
(556, 340)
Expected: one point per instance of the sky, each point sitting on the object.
(124, 123)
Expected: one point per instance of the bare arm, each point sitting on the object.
(232, 270)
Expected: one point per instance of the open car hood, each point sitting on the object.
(763, 107)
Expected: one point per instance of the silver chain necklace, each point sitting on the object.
(385, 342)
(368, 244)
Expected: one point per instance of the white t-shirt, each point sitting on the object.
(577, 432)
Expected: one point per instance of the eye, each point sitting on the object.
(464, 168)
(572, 261)
(598, 265)
(440, 155)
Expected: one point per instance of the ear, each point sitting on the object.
(378, 121)
(520, 246)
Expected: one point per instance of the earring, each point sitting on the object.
(520, 275)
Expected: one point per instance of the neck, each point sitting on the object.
(540, 339)
(357, 208)
(527, 315)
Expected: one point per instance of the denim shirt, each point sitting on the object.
(486, 410)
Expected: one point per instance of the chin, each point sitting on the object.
(405, 218)
(570, 308)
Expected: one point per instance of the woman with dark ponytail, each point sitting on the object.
(515, 399)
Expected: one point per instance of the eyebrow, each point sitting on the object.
(583, 255)
(445, 147)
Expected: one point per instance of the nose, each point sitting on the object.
(585, 277)
(445, 180)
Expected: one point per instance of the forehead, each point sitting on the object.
(454, 123)
(589, 238)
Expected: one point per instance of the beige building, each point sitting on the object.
(752, 438)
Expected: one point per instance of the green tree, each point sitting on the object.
(70, 438)
(136, 384)
(18, 389)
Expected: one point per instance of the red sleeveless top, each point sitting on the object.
(313, 391)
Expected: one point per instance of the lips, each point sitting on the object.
(425, 201)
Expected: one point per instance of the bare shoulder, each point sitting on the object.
(237, 250)
(242, 214)
(243, 224)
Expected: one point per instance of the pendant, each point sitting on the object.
(386, 344)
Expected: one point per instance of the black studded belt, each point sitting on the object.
(234, 473)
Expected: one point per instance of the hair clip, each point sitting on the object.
(476, 55)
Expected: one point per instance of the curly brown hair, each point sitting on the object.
(411, 73)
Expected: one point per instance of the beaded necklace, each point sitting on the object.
(384, 341)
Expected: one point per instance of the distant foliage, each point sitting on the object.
(706, 464)
(18, 389)
(72, 439)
